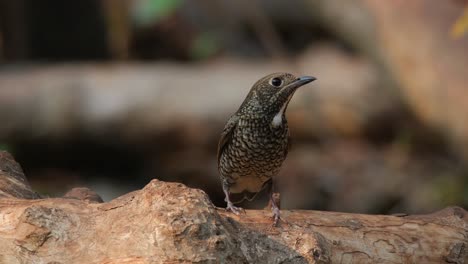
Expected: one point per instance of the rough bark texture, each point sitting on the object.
(13, 183)
(171, 223)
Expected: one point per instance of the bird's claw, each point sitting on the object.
(236, 210)
(276, 216)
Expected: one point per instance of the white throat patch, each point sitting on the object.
(278, 119)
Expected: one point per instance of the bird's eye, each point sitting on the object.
(276, 82)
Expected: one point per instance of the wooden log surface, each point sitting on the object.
(13, 183)
(171, 223)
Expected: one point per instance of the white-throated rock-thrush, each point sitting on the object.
(255, 140)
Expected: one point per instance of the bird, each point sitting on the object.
(255, 140)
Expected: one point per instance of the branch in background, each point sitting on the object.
(137, 100)
(14, 30)
(118, 27)
(265, 30)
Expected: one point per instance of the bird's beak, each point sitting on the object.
(303, 80)
(289, 89)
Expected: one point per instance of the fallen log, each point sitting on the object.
(171, 223)
(132, 102)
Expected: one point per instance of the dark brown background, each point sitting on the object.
(110, 94)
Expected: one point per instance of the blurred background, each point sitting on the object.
(110, 94)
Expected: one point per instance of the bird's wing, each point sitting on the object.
(226, 135)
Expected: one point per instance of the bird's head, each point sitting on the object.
(273, 92)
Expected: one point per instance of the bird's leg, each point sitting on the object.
(275, 199)
(230, 206)
(275, 204)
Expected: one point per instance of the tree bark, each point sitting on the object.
(171, 223)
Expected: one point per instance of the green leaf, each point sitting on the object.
(147, 12)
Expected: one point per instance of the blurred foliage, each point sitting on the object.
(204, 46)
(146, 12)
(450, 190)
(460, 27)
(182, 30)
(6, 147)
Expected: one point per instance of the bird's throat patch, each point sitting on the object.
(278, 118)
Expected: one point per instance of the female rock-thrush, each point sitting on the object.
(255, 140)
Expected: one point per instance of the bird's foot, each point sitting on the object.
(276, 216)
(236, 210)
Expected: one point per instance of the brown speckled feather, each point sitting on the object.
(226, 135)
(256, 140)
